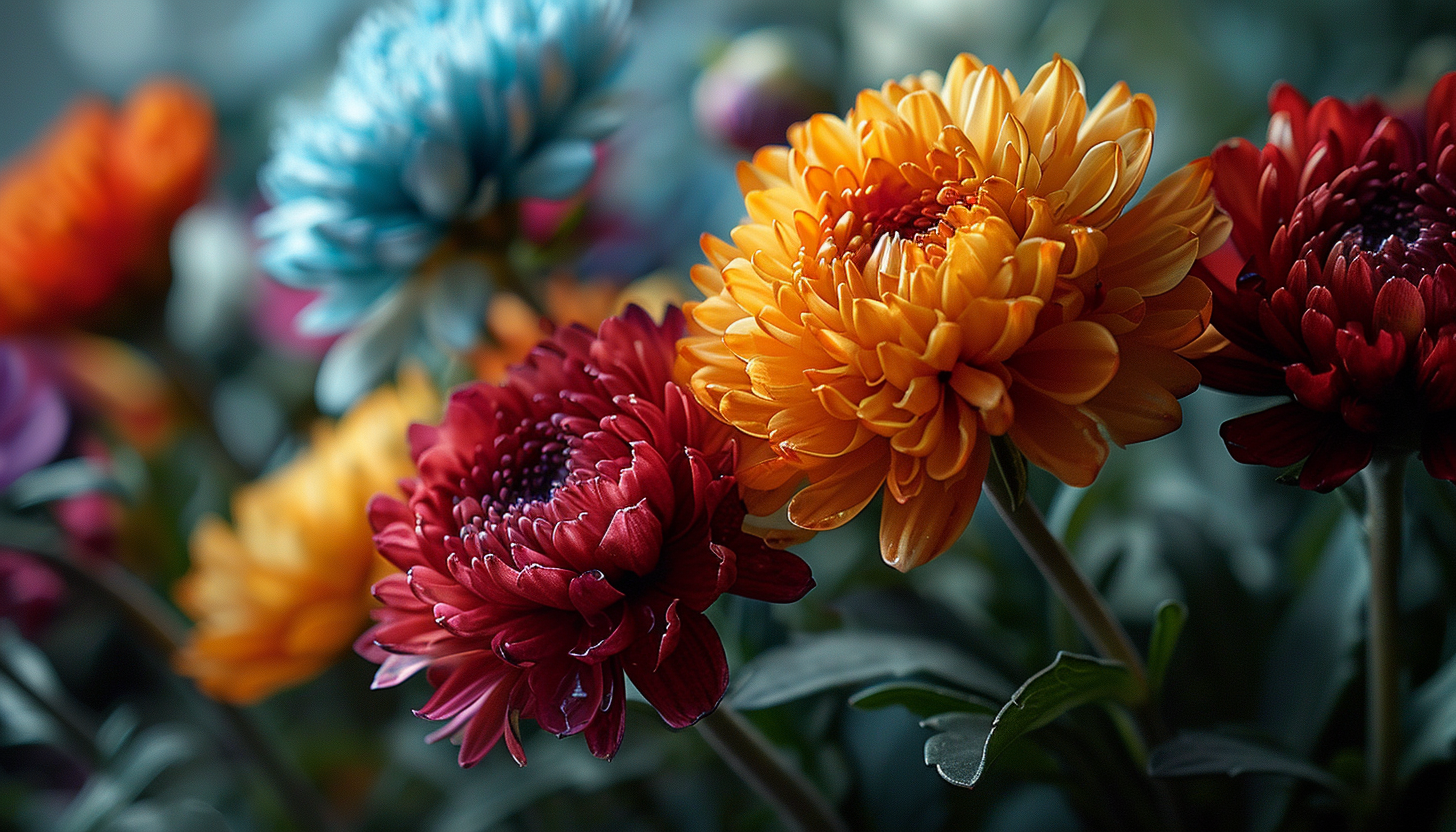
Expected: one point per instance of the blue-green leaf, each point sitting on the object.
(1197, 752)
(922, 699)
(59, 480)
(1069, 681)
(1167, 626)
(849, 657)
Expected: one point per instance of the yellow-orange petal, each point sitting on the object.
(1057, 437)
(914, 532)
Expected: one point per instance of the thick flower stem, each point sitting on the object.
(1088, 608)
(1384, 487)
(163, 630)
(799, 805)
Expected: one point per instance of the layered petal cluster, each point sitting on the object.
(88, 211)
(949, 262)
(1338, 288)
(566, 532)
(439, 112)
(280, 593)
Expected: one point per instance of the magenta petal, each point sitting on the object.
(1279, 436)
(484, 728)
(459, 683)
(688, 683)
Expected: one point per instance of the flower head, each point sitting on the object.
(439, 112)
(1338, 288)
(89, 210)
(282, 591)
(950, 262)
(566, 532)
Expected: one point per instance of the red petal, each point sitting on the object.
(690, 682)
(604, 734)
(1279, 436)
(633, 540)
(1316, 391)
(591, 593)
(485, 727)
(1240, 375)
(767, 574)
(1341, 455)
(1371, 366)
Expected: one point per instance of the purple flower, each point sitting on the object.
(33, 416)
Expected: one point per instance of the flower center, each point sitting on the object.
(1404, 223)
(923, 220)
(530, 461)
(1390, 212)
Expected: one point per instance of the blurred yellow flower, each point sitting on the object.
(281, 593)
(949, 262)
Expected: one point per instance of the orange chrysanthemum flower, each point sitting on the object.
(281, 593)
(950, 262)
(89, 210)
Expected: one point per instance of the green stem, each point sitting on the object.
(1384, 480)
(1088, 609)
(799, 805)
(165, 630)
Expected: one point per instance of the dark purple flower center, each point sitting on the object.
(1390, 213)
(1405, 222)
(527, 464)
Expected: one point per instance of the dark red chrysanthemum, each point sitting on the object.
(567, 529)
(1338, 285)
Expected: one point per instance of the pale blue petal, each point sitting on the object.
(454, 309)
(557, 170)
(341, 307)
(360, 360)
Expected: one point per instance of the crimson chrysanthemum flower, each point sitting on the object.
(568, 529)
(1338, 287)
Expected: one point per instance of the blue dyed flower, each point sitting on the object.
(440, 112)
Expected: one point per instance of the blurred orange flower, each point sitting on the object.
(515, 328)
(949, 262)
(89, 209)
(283, 591)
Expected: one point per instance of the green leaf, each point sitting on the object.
(849, 657)
(1430, 721)
(1198, 752)
(110, 792)
(921, 698)
(59, 480)
(184, 815)
(1069, 681)
(1167, 625)
(957, 749)
(1009, 465)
